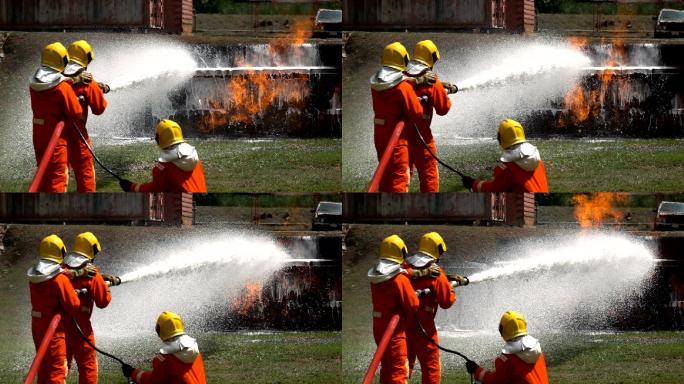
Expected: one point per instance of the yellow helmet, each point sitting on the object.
(426, 52)
(393, 248)
(432, 244)
(86, 244)
(510, 133)
(395, 56)
(81, 52)
(168, 133)
(54, 56)
(169, 325)
(52, 248)
(512, 325)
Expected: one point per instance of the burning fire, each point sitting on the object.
(592, 212)
(583, 103)
(250, 298)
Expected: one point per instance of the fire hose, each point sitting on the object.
(386, 156)
(434, 156)
(42, 348)
(382, 346)
(85, 338)
(90, 149)
(47, 156)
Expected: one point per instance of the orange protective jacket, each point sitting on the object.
(167, 177)
(510, 177)
(85, 356)
(442, 295)
(51, 104)
(436, 98)
(398, 103)
(511, 369)
(48, 298)
(80, 158)
(168, 369)
(391, 297)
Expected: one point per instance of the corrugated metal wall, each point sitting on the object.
(422, 14)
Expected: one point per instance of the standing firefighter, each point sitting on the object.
(434, 95)
(51, 293)
(86, 247)
(52, 100)
(179, 360)
(394, 100)
(179, 168)
(521, 360)
(90, 94)
(427, 274)
(521, 168)
(392, 294)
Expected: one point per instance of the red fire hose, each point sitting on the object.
(386, 156)
(381, 347)
(40, 353)
(47, 156)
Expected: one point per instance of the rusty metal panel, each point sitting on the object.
(42, 14)
(422, 14)
(521, 209)
(425, 207)
(520, 15)
(178, 16)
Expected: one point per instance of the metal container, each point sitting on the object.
(101, 208)
(423, 14)
(425, 207)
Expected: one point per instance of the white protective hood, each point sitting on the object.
(383, 271)
(525, 155)
(419, 260)
(416, 68)
(527, 348)
(43, 271)
(183, 347)
(386, 78)
(46, 78)
(183, 155)
(73, 68)
(75, 260)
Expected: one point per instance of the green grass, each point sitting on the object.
(572, 165)
(278, 165)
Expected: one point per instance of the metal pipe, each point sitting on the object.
(47, 156)
(42, 348)
(382, 346)
(427, 291)
(386, 156)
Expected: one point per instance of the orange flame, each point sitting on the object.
(592, 212)
(250, 298)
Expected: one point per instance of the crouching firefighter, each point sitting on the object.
(179, 360)
(427, 274)
(93, 290)
(51, 293)
(521, 360)
(179, 168)
(392, 294)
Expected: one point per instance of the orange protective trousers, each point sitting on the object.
(436, 98)
(395, 296)
(47, 299)
(80, 158)
(419, 346)
(168, 368)
(49, 107)
(391, 106)
(77, 348)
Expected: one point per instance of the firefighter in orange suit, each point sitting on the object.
(179, 360)
(392, 294)
(394, 100)
(521, 359)
(95, 292)
(91, 94)
(52, 100)
(433, 95)
(426, 274)
(521, 168)
(51, 293)
(179, 168)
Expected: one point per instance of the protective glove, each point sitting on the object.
(462, 280)
(125, 185)
(467, 182)
(113, 280)
(104, 87)
(88, 270)
(471, 366)
(127, 370)
(83, 78)
(450, 88)
(434, 270)
(427, 78)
